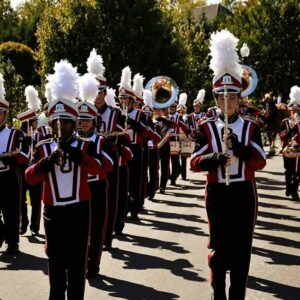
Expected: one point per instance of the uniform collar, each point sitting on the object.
(231, 120)
(2, 127)
(103, 108)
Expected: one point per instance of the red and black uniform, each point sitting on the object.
(14, 153)
(99, 198)
(111, 121)
(137, 131)
(290, 134)
(66, 196)
(193, 122)
(125, 156)
(232, 209)
(174, 137)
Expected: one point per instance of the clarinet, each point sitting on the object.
(227, 167)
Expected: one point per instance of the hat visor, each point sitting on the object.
(64, 116)
(230, 90)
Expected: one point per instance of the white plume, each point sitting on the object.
(2, 89)
(110, 97)
(138, 81)
(48, 93)
(32, 98)
(88, 88)
(182, 99)
(126, 78)
(295, 93)
(148, 98)
(223, 50)
(200, 96)
(95, 64)
(64, 81)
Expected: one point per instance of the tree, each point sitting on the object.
(135, 33)
(14, 88)
(8, 21)
(271, 30)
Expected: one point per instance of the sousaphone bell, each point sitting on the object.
(164, 90)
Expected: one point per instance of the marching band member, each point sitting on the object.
(197, 115)
(153, 162)
(62, 165)
(183, 139)
(109, 121)
(29, 125)
(15, 153)
(88, 91)
(137, 130)
(174, 140)
(231, 158)
(290, 133)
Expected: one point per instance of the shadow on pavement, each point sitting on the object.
(271, 205)
(24, 261)
(138, 261)
(129, 290)
(172, 215)
(173, 227)
(277, 258)
(174, 203)
(277, 226)
(275, 240)
(152, 243)
(271, 172)
(280, 217)
(265, 180)
(277, 290)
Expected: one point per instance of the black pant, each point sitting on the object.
(153, 172)
(10, 201)
(99, 200)
(164, 155)
(135, 178)
(123, 198)
(175, 167)
(113, 199)
(291, 174)
(231, 211)
(35, 200)
(144, 174)
(183, 166)
(67, 232)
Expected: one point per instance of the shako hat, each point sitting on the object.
(95, 66)
(225, 63)
(125, 89)
(88, 91)
(64, 89)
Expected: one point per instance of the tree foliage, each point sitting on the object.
(8, 21)
(271, 30)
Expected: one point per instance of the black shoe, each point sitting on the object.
(173, 183)
(12, 249)
(35, 233)
(288, 193)
(23, 230)
(295, 196)
(162, 191)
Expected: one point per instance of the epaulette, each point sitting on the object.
(206, 120)
(46, 141)
(247, 118)
(115, 109)
(84, 139)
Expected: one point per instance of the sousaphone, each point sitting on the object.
(249, 81)
(164, 90)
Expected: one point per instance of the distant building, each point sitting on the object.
(210, 11)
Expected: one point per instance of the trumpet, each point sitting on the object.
(227, 167)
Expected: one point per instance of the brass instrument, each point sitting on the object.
(164, 90)
(291, 151)
(227, 167)
(249, 81)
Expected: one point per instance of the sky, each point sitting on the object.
(14, 3)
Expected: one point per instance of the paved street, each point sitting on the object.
(164, 256)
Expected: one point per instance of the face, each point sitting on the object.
(232, 103)
(99, 101)
(85, 124)
(66, 127)
(2, 117)
(197, 108)
(34, 124)
(172, 109)
(126, 101)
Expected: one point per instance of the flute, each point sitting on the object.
(227, 167)
(60, 160)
